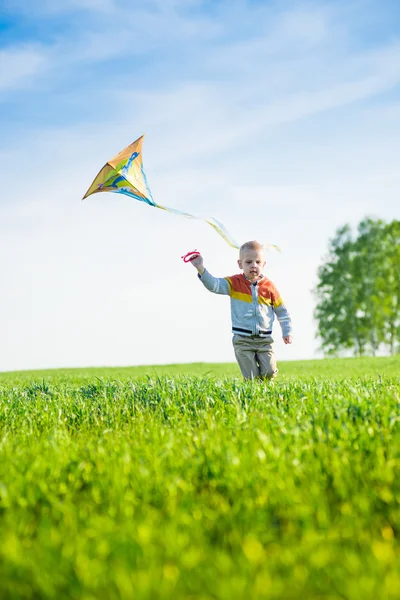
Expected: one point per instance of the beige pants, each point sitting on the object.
(255, 357)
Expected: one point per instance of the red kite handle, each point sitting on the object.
(190, 256)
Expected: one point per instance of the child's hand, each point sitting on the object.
(288, 339)
(198, 263)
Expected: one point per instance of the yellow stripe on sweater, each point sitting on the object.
(229, 280)
(241, 296)
(262, 300)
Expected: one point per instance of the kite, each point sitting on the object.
(124, 174)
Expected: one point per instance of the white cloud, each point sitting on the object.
(50, 8)
(212, 116)
(114, 30)
(21, 66)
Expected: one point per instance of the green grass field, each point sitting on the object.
(185, 482)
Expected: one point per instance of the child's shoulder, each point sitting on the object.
(238, 282)
(267, 282)
(268, 289)
(237, 279)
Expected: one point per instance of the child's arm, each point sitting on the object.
(283, 316)
(217, 285)
(285, 321)
(198, 263)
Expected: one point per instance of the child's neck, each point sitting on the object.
(256, 280)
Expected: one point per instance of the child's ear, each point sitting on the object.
(240, 264)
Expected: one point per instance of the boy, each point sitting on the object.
(254, 303)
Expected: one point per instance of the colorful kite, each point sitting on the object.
(124, 174)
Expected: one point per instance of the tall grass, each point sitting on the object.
(197, 486)
(337, 369)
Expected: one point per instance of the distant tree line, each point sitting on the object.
(358, 292)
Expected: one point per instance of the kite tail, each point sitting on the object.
(216, 225)
(223, 232)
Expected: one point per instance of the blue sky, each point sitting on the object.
(281, 119)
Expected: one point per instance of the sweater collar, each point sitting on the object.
(253, 282)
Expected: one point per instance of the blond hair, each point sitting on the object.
(253, 245)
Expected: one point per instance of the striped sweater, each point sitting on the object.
(253, 305)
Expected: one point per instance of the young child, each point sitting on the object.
(254, 303)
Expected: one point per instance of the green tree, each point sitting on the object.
(389, 280)
(358, 290)
(336, 305)
(369, 259)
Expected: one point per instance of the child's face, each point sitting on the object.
(252, 262)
